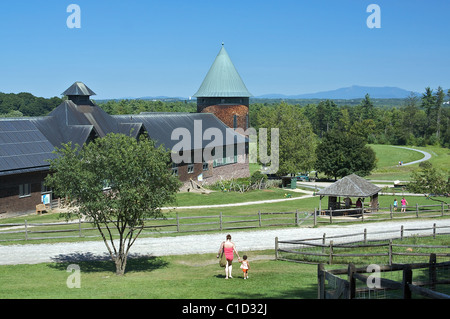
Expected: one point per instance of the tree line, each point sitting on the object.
(417, 120)
(326, 136)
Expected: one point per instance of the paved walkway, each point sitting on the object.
(426, 157)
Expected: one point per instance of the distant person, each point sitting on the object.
(229, 249)
(245, 266)
(395, 204)
(359, 203)
(404, 203)
(348, 202)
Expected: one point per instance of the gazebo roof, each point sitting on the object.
(351, 186)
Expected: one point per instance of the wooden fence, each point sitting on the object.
(358, 246)
(330, 216)
(175, 224)
(432, 281)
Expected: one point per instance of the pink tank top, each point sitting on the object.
(228, 253)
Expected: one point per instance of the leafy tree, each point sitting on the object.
(428, 180)
(296, 138)
(116, 182)
(340, 154)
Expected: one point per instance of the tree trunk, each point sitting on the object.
(121, 262)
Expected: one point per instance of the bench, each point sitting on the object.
(40, 208)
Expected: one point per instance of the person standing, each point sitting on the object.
(395, 204)
(404, 203)
(229, 249)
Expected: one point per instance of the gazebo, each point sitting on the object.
(348, 187)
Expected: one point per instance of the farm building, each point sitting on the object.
(26, 144)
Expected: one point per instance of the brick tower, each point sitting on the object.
(224, 94)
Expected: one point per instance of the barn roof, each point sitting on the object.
(78, 88)
(160, 127)
(351, 186)
(23, 148)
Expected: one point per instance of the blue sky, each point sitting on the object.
(141, 48)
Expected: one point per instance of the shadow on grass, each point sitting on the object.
(89, 262)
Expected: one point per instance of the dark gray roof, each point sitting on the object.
(351, 186)
(78, 88)
(27, 143)
(160, 126)
(23, 148)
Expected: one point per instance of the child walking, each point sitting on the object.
(245, 266)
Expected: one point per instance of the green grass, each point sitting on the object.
(218, 197)
(389, 156)
(170, 277)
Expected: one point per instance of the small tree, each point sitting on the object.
(428, 180)
(116, 182)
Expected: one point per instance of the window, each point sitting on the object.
(175, 169)
(225, 161)
(24, 190)
(205, 166)
(45, 189)
(190, 168)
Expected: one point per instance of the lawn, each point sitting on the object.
(219, 197)
(389, 156)
(170, 277)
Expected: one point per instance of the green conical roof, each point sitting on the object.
(222, 79)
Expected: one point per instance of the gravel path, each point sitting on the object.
(196, 244)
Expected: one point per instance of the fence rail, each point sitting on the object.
(432, 281)
(380, 246)
(175, 224)
(330, 216)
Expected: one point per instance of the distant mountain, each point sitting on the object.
(352, 92)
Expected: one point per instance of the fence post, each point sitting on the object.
(434, 231)
(407, 279)
(221, 222)
(401, 233)
(442, 209)
(417, 210)
(296, 217)
(351, 281)
(276, 248)
(315, 216)
(362, 214)
(259, 218)
(331, 215)
(390, 208)
(26, 230)
(79, 227)
(178, 224)
(321, 281)
(331, 252)
(432, 271)
(323, 243)
(390, 252)
(365, 235)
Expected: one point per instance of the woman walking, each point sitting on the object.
(229, 249)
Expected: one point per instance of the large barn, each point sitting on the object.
(26, 144)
